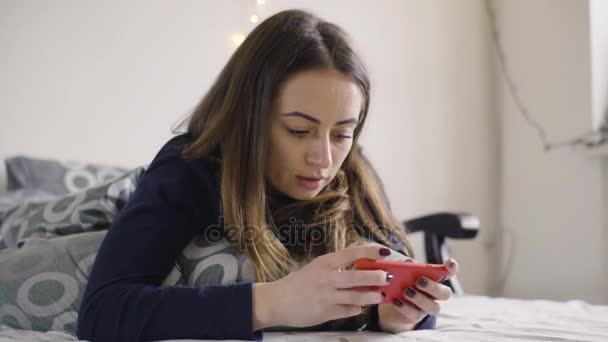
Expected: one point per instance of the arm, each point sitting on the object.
(263, 304)
(123, 301)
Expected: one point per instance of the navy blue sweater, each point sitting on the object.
(123, 301)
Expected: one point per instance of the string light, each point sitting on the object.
(589, 139)
(237, 38)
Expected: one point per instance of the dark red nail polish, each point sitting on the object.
(385, 251)
(410, 293)
(397, 302)
(423, 282)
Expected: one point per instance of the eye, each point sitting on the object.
(298, 133)
(343, 137)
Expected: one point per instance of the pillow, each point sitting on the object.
(86, 210)
(57, 177)
(210, 263)
(10, 199)
(213, 263)
(43, 282)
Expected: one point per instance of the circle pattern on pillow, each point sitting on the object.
(70, 291)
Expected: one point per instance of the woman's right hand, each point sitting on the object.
(321, 290)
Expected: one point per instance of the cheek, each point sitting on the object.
(281, 158)
(339, 154)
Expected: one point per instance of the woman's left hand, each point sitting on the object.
(422, 300)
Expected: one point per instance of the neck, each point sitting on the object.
(277, 199)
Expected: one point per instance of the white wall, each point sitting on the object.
(552, 202)
(598, 11)
(104, 81)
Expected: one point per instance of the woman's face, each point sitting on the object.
(312, 126)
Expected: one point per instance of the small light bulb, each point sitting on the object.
(237, 39)
(254, 19)
(260, 2)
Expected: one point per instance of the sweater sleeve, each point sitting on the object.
(123, 301)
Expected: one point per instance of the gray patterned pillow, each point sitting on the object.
(87, 210)
(10, 199)
(204, 263)
(43, 282)
(55, 176)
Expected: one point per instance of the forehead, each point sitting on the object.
(325, 93)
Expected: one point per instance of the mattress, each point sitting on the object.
(465, 318)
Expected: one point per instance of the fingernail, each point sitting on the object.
(389, 277)
(385, 251)
(362, 306)
(410, 293)
(423, 282)
(397, 302)
(452, 265)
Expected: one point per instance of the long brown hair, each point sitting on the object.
(234, 118)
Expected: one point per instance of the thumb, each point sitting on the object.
(452, 266)
(349, 255)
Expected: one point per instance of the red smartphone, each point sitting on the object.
(405, 274)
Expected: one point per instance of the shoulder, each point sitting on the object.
(170, 162)
(172, 149)
(177, 181)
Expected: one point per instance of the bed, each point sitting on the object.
(54, 215)
(463, 318)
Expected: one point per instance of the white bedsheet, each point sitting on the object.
(467, 318)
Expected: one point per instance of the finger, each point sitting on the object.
(434, 289)
(354, 297)
(349, 267)
(347, 279)
(452, 266)
(423, 302)
(349, 255)
(410, 311)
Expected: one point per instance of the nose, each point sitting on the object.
(319, 154)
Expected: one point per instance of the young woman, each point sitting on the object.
(273, 142)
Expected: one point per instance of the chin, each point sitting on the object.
(304, 195)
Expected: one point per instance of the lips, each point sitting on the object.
(311, 178)
(310, 183)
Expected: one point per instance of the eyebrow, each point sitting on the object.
(317, 121)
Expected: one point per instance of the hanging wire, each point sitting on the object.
(589, 139)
